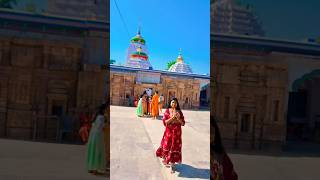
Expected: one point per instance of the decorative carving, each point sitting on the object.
(120, 87)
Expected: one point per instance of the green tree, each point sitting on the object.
(7, 3)
(30, 7)
(170, 63)
(112, 61)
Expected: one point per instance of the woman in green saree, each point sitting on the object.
(96, 161)
(139, 110)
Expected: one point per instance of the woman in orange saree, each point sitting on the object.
(155, 107)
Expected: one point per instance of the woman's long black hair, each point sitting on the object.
(100, 111)
(178, 106)
(144, 92)
(216, 146)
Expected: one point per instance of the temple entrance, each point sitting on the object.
(171, 94)
(303, 120)
(57, 110)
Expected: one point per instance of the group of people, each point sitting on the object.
(149, 105)
(170, 149)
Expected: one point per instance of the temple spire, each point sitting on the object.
(139, 30)
(139, 27)
(180, 59)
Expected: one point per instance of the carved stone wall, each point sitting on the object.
(41, 76)
(124, 85)
(250, 99)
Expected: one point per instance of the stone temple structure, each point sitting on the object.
(49, 67)
(137, 55)
(265, 92)
(129, 81)
(234, 17)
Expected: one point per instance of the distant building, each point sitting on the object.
(129, 81)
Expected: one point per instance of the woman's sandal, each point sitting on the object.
(92, 171)
(98, 173)
(165, 164)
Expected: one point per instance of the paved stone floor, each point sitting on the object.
(23, 160)
(134, 141)
(286, 165)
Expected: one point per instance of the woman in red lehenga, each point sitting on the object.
(171, 143)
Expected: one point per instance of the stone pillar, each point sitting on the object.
(107, 138)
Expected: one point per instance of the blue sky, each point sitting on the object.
(167, 26)
(289, 19)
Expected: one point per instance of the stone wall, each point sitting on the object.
(38, 75)
(123, 85)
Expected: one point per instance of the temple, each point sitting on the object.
(234, 17)
(50, 66)
(137, 55)
(265, 92)
(129, 81)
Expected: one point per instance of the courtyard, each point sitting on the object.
(134, 142)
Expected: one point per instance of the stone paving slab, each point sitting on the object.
(252, 167)
(195, 145)
(131, 155)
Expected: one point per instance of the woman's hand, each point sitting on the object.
(170, 120)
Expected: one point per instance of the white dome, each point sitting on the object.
(180, 67)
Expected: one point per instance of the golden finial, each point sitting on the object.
(180, 59)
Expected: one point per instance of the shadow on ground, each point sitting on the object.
(188, 171)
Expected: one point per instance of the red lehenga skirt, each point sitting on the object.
(171, 143)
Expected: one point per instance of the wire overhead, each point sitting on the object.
(122, 19)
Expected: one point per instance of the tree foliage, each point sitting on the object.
(7, 3)
(30, 7)
(170, 63)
